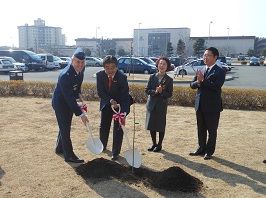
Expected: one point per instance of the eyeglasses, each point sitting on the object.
(207, 55)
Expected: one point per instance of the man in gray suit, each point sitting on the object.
(208, 104)
(112, 88)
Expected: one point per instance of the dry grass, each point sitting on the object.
(30, 168)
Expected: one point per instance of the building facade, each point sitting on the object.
(39, 36)
(227, 46)
(145, 42)
(153, 42)
(99, 47)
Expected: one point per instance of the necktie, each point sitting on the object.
(206, 73)
(110, 82)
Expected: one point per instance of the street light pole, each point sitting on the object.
(138, 37)
(97, 41)
(228, 42)
(209, 33)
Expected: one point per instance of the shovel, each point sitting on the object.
(132, 156)
(93, 144)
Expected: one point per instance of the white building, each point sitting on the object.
(153, 42)
(40, 36)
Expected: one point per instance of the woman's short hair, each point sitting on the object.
(166, 60)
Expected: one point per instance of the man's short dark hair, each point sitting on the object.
(214, 51)
(109, 59)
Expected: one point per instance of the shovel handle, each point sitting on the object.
(115, 110)
(125, 133)
(123, 127)
(89, 130)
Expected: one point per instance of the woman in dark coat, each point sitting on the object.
(159, 88)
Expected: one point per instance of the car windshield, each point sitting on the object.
(34, 56)
(11, 60)
(254, 59)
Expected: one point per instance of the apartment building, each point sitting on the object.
(40, 36)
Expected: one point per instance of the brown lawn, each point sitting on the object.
(30, 168)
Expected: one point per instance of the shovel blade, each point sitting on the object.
(133, 157)
(94, 145)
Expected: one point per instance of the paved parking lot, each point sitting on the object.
(246, 77)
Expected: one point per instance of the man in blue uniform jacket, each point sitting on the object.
(208, 104)
(64, 102)
(112, 88)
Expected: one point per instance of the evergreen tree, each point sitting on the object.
(199, 47)
(87, 51)
(181, 47)
(111, 52)
(169, 49)
(121, 52)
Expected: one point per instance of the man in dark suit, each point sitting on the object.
(64, 102)
(208, 104)
(112, 88)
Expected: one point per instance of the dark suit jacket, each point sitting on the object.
(119, 90)
(66, 91)
(161, 100)
(209, 91)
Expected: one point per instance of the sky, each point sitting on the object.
(118, 18)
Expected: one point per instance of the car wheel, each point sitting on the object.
(97, 64)
(146, 71)
(182, 72)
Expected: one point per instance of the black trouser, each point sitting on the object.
(106, 119)
(207, 121)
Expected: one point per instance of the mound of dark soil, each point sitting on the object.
(171, 179)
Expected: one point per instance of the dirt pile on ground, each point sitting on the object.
(171, 179)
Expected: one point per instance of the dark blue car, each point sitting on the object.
(135, 65)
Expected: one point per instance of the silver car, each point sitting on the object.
(192, 67)
(189, 68)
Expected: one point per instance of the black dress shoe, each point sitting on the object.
(115, 157)
(197, 152)
(157, 149)
(74, 160)
(207, 156)
(152, 147)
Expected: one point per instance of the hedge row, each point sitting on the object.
(242, 99)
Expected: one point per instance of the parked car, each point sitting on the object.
(92, 61)
(135, 65)
(59, 63)
(222, 59)
(176, 61)
(48, 61)
(189, 68)
(229, 61)
(6, 66)
(66, 58)
(241, 57)
(192, 67)
(254, 61)
(17, 65)
(150, 61)
(31, 59)
(154, 59)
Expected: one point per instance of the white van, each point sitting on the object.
(48, 60)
